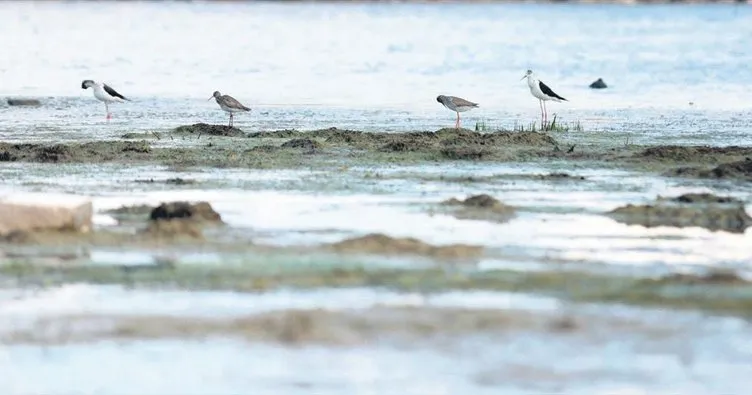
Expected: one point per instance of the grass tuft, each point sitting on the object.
(553, 126)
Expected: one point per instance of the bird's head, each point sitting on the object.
(528, 73)
(87, 84)
(440, 99)
(215, 95)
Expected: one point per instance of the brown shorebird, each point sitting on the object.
(229, 104)
(456, 104)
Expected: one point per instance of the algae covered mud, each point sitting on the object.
(378, 261)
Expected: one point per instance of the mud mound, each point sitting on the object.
(263, 149)
(702, 198)
(712, 278)
(559, 176)
(181, 219)
(702, 210)
(303, 144)
(397, 146)
(496, 139)
(480, 207)
(169, 181)
(740, 170)
(100, 151)
(679, 153)
(464, 153)
(204, 129)
(351, 137)
(174, 229)
(201, 211)
(24, 102)
(383, 244)
(276, 134)
(348, 327)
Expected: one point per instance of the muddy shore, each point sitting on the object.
(55, 258)
(204, 145)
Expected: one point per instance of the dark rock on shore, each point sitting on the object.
(480, 207)
(181, 219)
(701, 210)
(24, 102)
(203, 129)
(201, 211)
(598, 84)
(739, 170)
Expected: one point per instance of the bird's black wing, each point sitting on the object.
(548, 91)
(113, 92)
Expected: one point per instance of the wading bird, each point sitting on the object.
(104, 93)
(229, 104)
(457, 105)
(542, 92)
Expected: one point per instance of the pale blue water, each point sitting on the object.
(379, 66)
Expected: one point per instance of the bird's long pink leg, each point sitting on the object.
(457, 124)
(545, 110)
(107, 108)
(540, 103)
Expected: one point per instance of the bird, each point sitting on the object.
(456, 104)
(104, 93)
(228, 104)
(542, 92)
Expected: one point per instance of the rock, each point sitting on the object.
(211, 130)
(201, 211)
(382, 244)
(29, 212)
(181, 219)
(702, 210)
(24, 102)
(739, 170)
(598, 84)
(480, 207)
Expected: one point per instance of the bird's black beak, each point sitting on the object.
(523, 77)
(210, 98)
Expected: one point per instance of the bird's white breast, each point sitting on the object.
(535, 89)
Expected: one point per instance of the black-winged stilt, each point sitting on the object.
(229, 104)
(104, 93)
(542, 92)
(456, 104)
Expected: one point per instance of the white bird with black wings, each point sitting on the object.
(104, 93)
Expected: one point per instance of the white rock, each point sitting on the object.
(44, 211)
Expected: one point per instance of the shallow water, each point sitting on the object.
(691, 354)
(379, 68)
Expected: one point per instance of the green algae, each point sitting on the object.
(724, 298)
